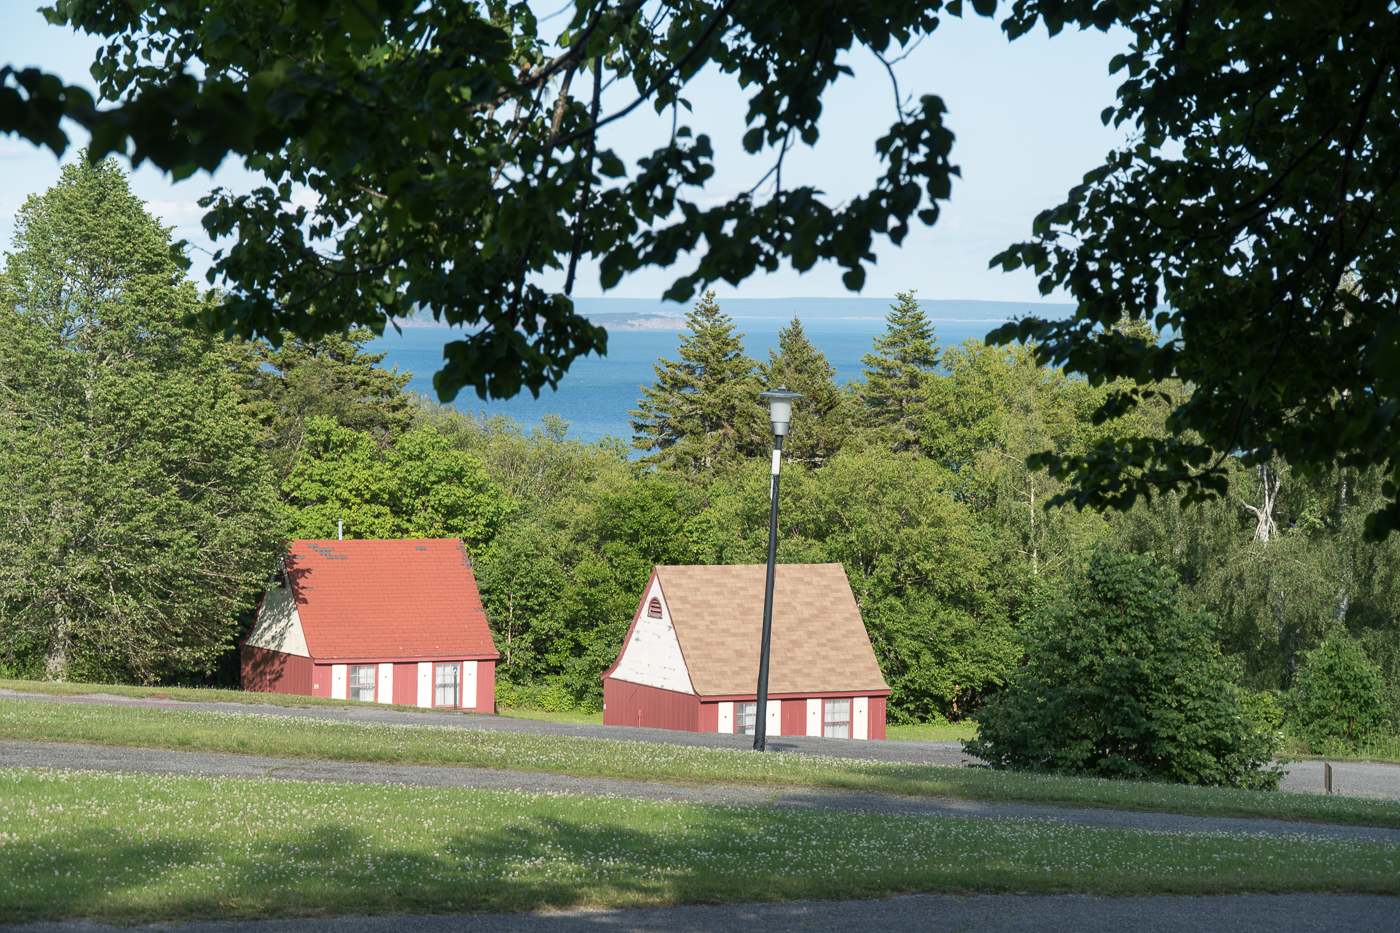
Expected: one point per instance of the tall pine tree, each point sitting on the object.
(287, 386)
(137, 519)
(822, 418)
(896, 375)
(703, 411)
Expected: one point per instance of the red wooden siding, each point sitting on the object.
(626, 704)
(265, 671)
(794, 715)
(877, 718)
(485, 686)
(709, 717)
(406, 684)
(321, 680)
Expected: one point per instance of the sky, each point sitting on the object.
(1025, 114)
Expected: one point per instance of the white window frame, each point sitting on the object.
(833, 725)
(456, 684)
(745, 718)
(357, 682)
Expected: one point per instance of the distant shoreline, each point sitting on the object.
(645, 314)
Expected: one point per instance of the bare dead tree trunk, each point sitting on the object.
(1269, 482)
(56, 655)
(1035, 550)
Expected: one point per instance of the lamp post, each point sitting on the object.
(780, 413)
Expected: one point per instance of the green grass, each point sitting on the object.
(247, 733)
(140, 848)
(926, 732)
(1381, 749)
(595, 719)
(190, 695)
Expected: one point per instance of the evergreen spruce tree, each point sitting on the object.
(287, 386)
(821, 419)
(896, 375)
(703, 411)
(137, 519)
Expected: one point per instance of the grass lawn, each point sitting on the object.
(251, 734)
(924, 732)
(141, 848)
(187, 694)
(1383, 749)
(595, 719)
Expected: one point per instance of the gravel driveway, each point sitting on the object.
(923, 913)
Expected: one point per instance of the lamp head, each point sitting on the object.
(780, 408)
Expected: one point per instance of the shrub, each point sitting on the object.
(550, 697)
(1338, 696)
(1119, 682)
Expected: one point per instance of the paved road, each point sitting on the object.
(924, 913)
(1357, 779)
(158, 761)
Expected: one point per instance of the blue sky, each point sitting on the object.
(1026, 117)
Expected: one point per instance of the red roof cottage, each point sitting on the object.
(690, 659)
(380, 621)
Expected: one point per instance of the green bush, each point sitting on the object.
(1338, 697)
(550, 697)
(1119, 682)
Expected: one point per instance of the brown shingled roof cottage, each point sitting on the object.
(690, 659)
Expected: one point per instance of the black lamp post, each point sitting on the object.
(780, 413)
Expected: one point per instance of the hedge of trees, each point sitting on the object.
(148, 475)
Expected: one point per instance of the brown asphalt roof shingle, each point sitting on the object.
(819, 641)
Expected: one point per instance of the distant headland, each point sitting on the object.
(647, 314)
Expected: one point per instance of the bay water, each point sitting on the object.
(597, 393)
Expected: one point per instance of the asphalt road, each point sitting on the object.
(923, 913)
(1353, 779)
(159, 761)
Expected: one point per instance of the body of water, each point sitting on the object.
(596, 394)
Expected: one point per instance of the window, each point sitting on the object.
(745, 716)
(837, 722)
(362, 681)
(654, 608)
(446, 691)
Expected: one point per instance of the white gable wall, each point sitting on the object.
(279, 624)
(652, 656)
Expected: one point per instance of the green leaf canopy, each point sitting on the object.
(137, 521)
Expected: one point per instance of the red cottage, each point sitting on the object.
(690, 660)
(379, 621)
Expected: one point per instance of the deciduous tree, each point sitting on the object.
(1120, 682)
(137, 521)
(454, 153)
(417, 488)
(1253, 213)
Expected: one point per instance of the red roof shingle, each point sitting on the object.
(388, 599)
